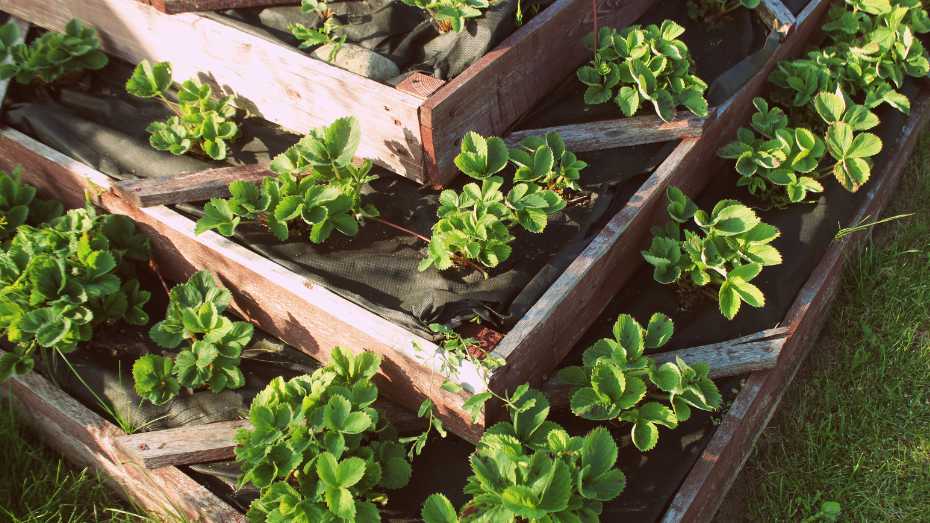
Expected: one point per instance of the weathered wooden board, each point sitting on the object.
(777, 16)
(620, 132)
(719, 465)
(290, 307)
(87, 440)
(288, 87)
(193, 187)
(187, 6)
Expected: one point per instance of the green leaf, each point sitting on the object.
(148, 80)
(658, 331)
(864, 145)
(438, 509)
(830, 107)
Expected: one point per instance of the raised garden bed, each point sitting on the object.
(298, 310)
(413, 128)
(725, 446)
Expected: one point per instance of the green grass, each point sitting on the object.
(855, 425)
(37, 486)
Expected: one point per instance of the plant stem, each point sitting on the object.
(402, 229)
(170, 105)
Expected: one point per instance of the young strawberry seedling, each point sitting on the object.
(19, 205)
(210, 344)
(451, 15)
(729, 249)
(325, 33)
(616, 376)
(200, 124)
(52, 56)
(643, 65)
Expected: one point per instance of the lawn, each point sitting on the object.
(854, 427)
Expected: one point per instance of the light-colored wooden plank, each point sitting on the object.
(272, 80)
(187, 6)
(776, 16)
(87, 440)
(718, 467)
(23, 27)
(293, 308)
(193, 187)
(508, 81)
(183, 445)
(621, 132)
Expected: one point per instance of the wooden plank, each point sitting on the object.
(87, 440)
(193, 187)
(538, 342)
(508, 81)
(777, 16)
(215, 441)
(270, 79)
(420, 85)
(719, 465)
(23, 27)
(288, 306)
(621, 132)
(735, 357)
(187, 6)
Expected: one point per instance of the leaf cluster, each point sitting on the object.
(323, 34)
(451, 15)
(874, 46)
(476, 223)
(52, 55)
(200, 121)
(457, 349)
(642, 65)
(616, 376)
(318, 450)
(317, 187)
(209, 343)
(850, 148)
(531, 469)
(728, 249)
(61, 280)
(19, 205)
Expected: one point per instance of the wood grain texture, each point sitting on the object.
(621, 132)
(270, 79)
(719, 465)
(420, 85)
(493, 92)
(23, 27)
(758, 351)
(777, 16)
(183, 445)
(193, 187)
(87, 440)
(290, 307)
(538, 342)
(187, 6)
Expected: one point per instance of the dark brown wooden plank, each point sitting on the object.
(187, 6)
(621, 132)
(193, 187)
(419, 84)
(87, 440)
(710, 480)
(508, 81)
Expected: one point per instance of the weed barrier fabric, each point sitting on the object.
(404, 34)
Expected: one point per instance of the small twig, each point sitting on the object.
(154, 266)
(402, 229)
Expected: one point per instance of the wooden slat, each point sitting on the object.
(215, 441)
(87, 440)
(777, 16)
(508, 81)
(272, 80)
(621, 132)
(193, 187)
(538, 342)
(286, 305)
(420, 85)
(187, 6)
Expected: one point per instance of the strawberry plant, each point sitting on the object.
(19, 205)
(318, 450)
(325, 33)
(201, 123)
(710, 10)
(616, 377)
(643, 65)
(317, 189)
(451, 15)
(851, 151)
(531, 469)
(476, 223)
(545, 161)
(209, 343)
(51, 56)
(728, 250)
(778, 157)
(63, 279)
